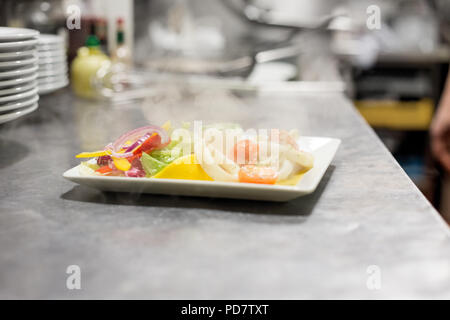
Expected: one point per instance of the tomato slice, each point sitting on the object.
(136, 155)
(245, 152)
(254, 174)
(104, 170)
(150, 144)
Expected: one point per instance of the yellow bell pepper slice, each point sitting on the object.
(167, 125)
(122, 164)
(93, 154)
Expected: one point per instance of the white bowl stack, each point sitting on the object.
(18, 72)
(52, 74)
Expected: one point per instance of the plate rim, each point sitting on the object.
(43, 73)
(20, 62)
(18, 72)
(18, 114)
(18, 44)
(26, 33)
(52, 54)
(17, 80)
(33, 83)
(23, 104)
(44, 89)
(19, 96)
(45, 47)
(47, 38)
(17, 54)
(52, 80)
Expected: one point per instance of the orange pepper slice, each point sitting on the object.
(104, 170)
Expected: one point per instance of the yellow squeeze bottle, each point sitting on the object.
(85, 66)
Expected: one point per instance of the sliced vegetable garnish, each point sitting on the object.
(186, 167)
(104, 160)
(151, 143)
(168, 154)
(151, 165)
(156, 152)
(122, 164)
(92, 166)
(133, 147)
(167, 125)
(104, 170)
(135, 173)
(136, 135)
(86, 170)
(93, 154)
(134, 157)
(255, 174)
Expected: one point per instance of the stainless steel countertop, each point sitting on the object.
(365, 212)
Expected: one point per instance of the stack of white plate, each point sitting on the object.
(18, 72)
(52, 63)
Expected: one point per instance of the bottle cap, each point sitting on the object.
(92, 41)
(120, 32)
(120, 37)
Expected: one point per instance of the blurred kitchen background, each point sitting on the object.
(389, 57)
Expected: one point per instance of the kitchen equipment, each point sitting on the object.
(117, 85)
(291, 14)
(241, 66)
(191, 37)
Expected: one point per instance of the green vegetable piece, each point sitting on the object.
(151, 165)
(93, 166)
(167, 154)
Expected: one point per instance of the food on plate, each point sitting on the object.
(184, 168)
(220, 152)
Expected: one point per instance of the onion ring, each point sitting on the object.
(135, 135)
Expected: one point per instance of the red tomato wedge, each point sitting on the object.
(254, 174)
(149, 145)
(245, 152)
(136, 155)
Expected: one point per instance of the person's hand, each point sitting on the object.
(440, 134)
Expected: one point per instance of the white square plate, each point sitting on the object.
(323, 150)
